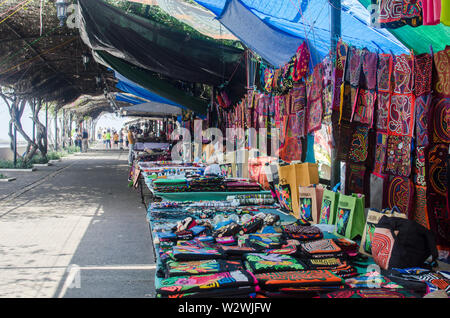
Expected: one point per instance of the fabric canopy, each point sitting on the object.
(129, 98)
(125, 85)
(152, 82)
(200, 19)
(420, 39)
(151, 109)
(310, 20)
(155, 46)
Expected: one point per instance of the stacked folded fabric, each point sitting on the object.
(170, 185)
(231, 284)
(241, 186)
(206, 184)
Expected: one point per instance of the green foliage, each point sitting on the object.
(9, 164)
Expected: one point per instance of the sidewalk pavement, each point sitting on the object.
(75, 230)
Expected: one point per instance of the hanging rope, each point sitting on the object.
(37, 56)
(15, 11)
(28, 45)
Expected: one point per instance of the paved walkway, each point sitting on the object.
(75, 230)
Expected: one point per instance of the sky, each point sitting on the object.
(106, 121)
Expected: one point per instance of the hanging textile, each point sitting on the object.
(398, 161)
(314, 87)
(431, 12)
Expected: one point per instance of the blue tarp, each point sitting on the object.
(127, 86)
(303, 19)
(128, 99)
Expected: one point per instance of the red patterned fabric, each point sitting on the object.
(442, 66)
(401, 115)
(364, 107)
(382, 245)
(398, 155)
(422, 74)
(400, 193)
(402, 74)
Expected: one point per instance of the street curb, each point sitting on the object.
(7, 179)
(18, 170)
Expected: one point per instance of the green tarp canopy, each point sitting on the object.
(419, 39)
(154, 83)
(158, 47)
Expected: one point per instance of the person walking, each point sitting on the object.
(121, 135)
(131, 142)
(85, 137)
(116, 139)
(108, 138)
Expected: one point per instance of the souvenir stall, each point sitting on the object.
(343, 191)
(389, 114)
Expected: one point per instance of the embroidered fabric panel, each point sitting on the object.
(355, 179)
(423, 66)
(442, 66)
(364, 107)
(441, 120)
(369, 70)
(359, 144)
(422, 106)
(345, 134)
(402, 74)
(384, 72)
(298, 97)
(354, 67)
(398, 160)
(419, 167)
(401, 194)
(314, 118)
(384, 103)
(341, 58)
(401, 115)
(380, 152)
(420, 211)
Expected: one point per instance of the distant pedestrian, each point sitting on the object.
(116, 139)
(131, 142)
(108, 139)
(85, 138)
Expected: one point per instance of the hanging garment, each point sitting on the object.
(423, 66)
(302, 62)
(380, 153)
(359, 144)
(445, 12)
(398, 156)
(440, 120)
(401, 115)
(341, 59)
(400, 193)
(364, 107)
(431, 12)
(314, 87)
(422, 107)
(442, 67)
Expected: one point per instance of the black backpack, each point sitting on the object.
(412, 243)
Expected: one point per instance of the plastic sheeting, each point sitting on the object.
(157, 47)
(308, 19)
(152, 82)
(200, 19)
(151, 109)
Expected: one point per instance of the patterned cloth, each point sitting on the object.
(442, 67)
(422, 107)
(400, 193)
(401, 115)
(364, 107)
(380, 152)
(398, 152)
(422, 74)
(263, 263)
(359, 144)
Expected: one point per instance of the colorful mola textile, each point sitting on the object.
(201, 267)
(441, 120)
(364, 107)
(422, 107)
(401, 115)
(398, 154)
(423, 67)
(188, 284)
(369, 293)
(266, 262)
(442, 67)
(400, 193)
(298, 278)
(359, 144)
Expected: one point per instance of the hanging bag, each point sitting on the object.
(373, 217)
(402, 243)
(350, 217)
(328, 207)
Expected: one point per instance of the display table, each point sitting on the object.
(201, 196)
